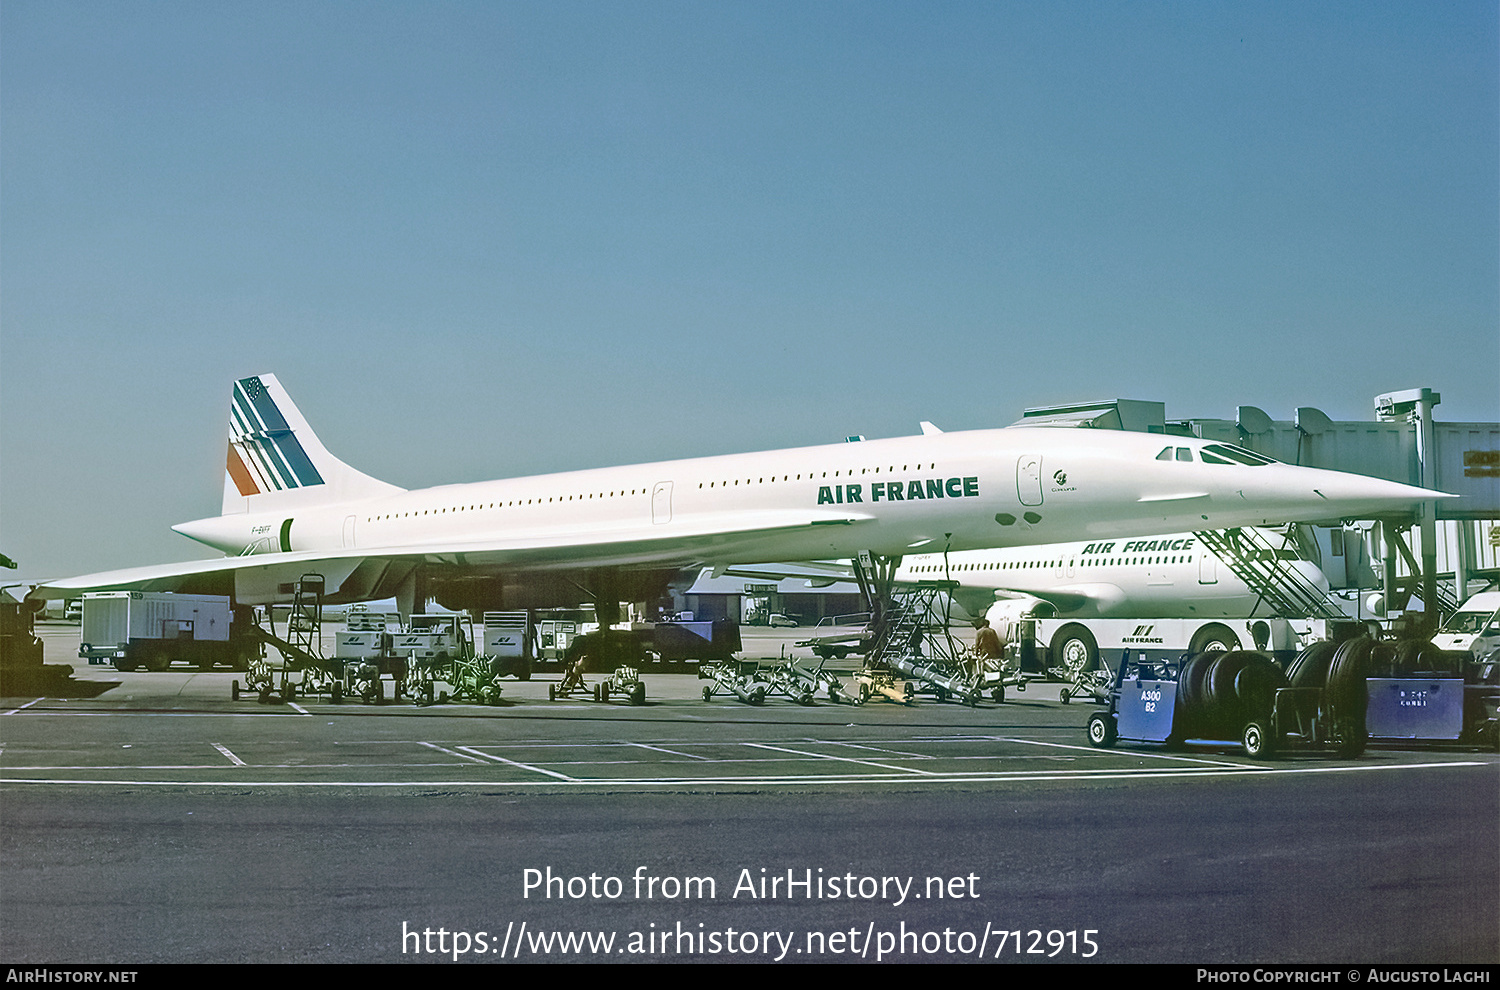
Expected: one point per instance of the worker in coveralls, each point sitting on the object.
(986, 643)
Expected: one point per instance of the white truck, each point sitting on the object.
(1474, 628)
(134, 629)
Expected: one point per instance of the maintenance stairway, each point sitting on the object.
(1257, 561)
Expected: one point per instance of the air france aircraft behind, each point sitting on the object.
(1173, 576)
(625, 533)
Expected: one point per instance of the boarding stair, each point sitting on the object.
(1254, 559)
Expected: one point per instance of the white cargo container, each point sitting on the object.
(509, 642)
(152, 629)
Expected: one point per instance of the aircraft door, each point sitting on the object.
(1208, 566)
(1029, 479)
(661, 503)
(348, 531)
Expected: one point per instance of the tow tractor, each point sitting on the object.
(1219, 696)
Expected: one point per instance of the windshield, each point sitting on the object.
(1471, 623)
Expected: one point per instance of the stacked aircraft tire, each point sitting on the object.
(1340, 670)
(1229, 694)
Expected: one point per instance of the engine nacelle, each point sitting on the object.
(1007, 614)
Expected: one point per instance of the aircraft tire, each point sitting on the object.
(1213, 638)
(1310, 669)
(1075, 649)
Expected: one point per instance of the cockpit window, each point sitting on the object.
(1235, 454)
(1165, 455)
(1184, 453)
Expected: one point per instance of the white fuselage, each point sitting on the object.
(962, 490)
(1173, 576)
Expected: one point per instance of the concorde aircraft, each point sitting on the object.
(625, 533)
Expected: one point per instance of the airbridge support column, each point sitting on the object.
(1415, 407)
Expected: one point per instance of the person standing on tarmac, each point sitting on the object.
(986, 642)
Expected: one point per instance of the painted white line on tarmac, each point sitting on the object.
(840, 759)
(669, 752)
(787, 780)
(228, 755)
(453, 752)
(522, 766)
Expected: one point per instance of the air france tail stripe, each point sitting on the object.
(253, 442)
(253, 461)
(239, 474)
(262, 424)
(271, 416)
(269, 452)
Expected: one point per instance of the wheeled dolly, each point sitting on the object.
(625, 682)
(727, 676)
(871, 683)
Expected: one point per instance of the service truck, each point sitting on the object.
(1474, 628)
(134, 629)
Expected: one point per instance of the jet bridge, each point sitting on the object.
(1404, 443)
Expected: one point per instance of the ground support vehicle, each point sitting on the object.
(557, 628)
(440, 648)
(510, 640)
(135, 629)
(1474, 628)
(473, 679)
(829, 644)
(679, 641)
(1211, 697)
(943, 680)
(873, 683)
(788, 680)
(1419, 693)
(1096, 684)
(362, 653)
(625, 682)
(572, 682)
(740, 678)
(822, 681)
(802, 683)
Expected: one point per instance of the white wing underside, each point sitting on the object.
(707, 539)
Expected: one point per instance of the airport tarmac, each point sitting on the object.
(154, 819)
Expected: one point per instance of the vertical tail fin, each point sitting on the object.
(276, 461)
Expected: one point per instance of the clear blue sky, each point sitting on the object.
(477, 240)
